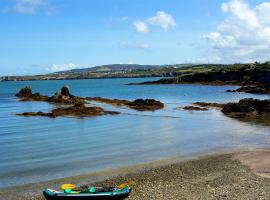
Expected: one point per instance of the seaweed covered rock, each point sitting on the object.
(79, 109)
(248, 108)
(24, 92)
(146, 104)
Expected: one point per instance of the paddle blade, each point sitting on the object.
(124, 185)
(67, 186)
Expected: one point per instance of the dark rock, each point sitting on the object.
(24, 92)
(65, 91)
(194, 108)
(146, 104)
(63, 97)
(248, 108)
(78, 109)
(138, 104)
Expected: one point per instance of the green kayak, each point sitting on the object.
(88, 194)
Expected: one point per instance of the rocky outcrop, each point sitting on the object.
(146, 104)
(78, 109)
(259, 89)
(24, 92)
(194, 108)
(138, 104)
(61, 97)
(26, 95)
(248, 108)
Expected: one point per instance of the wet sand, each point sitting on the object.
(240, 175)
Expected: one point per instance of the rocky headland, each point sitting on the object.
(246, 74)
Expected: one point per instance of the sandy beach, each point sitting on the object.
(238, 175)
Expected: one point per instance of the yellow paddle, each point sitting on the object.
(68, 186)
(128, 183)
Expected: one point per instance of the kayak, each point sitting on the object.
(112, 194)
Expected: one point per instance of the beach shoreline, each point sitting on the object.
(213, 175)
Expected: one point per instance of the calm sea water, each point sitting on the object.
(39, 149)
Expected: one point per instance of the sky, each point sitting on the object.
(44, 36)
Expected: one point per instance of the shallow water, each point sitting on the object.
(40, 149)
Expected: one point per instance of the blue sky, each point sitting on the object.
(42, 36)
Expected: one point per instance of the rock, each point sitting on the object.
(65, 91)
(138, 104)
(79, 109)
(248, 108)
(24, 92)
(63, 97)
(209, 105)
(146, 104)
(194, 108)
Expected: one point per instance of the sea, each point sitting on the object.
(35, 149)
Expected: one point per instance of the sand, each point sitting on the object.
(240, 175)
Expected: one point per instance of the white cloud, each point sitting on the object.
(161, 19)
(29, 6)
(244, 35)
(140, 46)
(141, 27)
(69, 66)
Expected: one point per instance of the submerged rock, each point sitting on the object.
(146, 104)
(209, 105)
(78, 109)
(114, 102)
(194, 108)
(248, 108)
